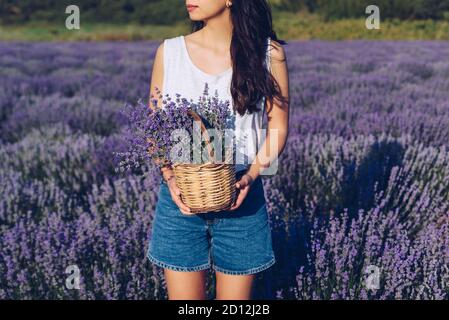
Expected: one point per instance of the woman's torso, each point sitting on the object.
(182, 76)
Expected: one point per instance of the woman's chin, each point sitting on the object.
(195, 17)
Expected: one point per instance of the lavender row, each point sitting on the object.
(362, 182)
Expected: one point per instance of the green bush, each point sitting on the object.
(167, 12)
(339, 9)
(293, 5)
(162, 12)
(117, 11)
(402, 9)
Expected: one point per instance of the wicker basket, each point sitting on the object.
(208, 187)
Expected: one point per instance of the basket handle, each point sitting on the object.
(204, 133)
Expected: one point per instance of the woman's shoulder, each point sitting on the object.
(167, 43)
(277, 51)
(172, 40)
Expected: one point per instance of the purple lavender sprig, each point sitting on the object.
(149, 133)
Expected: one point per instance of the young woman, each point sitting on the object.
(233, 49)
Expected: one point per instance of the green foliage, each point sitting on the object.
(293, 5)
(339, 9)
(401, 9)
(161, 12)
(170, 12)
(288, 25)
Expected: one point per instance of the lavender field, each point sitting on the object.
(364, 179)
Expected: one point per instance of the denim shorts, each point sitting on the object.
(233, 242)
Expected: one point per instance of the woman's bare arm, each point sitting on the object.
(157, 82)
(277, 116)
(157, 75)
(277, 130)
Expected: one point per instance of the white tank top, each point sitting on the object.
(182, 76)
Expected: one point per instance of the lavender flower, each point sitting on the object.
(363, 180)
(151, 129)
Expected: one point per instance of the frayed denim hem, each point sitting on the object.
(176, 268)
(249, 271)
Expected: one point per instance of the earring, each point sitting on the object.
(228, 4)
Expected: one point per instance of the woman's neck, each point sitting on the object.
(218, 30)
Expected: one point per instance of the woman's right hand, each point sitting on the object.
(170, 179)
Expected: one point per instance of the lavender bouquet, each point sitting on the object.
(161, 135)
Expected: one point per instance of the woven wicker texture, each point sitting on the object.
(206, 187)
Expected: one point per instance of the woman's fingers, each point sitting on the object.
(240, 197)
(243, 186)
(238, 202)
(176, 190)
(182, 206)
(176, 196)
(243, 182)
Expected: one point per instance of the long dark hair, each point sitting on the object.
(251, 81)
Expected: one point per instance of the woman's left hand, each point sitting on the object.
(243, 186)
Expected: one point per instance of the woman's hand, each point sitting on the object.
(175, 192)
(243, 186)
